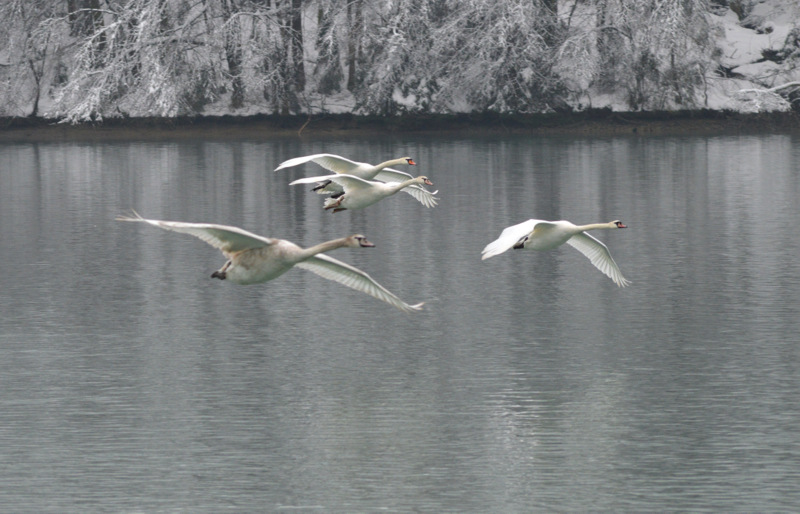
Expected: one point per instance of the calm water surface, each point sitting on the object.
(132, 382)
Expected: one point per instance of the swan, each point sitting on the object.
(253, 259)
(339, 164)
(546, 235)
(360, 193)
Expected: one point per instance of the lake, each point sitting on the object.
(133, 382)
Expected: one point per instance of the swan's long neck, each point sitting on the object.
(397, 186)
(595, 226)
(327, 246)
(393, 162)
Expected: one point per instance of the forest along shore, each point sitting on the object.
(598, 122)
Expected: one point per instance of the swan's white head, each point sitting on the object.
(618, 224)
(424, 180)
(357, 240)
(409, 161)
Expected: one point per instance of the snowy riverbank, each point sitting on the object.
(596, 122)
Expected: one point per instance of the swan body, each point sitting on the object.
(339, 164)
(253, 259)
(546, 235)
(360, 193)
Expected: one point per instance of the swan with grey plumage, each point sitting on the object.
(253, 259)
(547, 235)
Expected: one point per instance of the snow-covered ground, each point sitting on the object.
(743, 44)
(746, 81)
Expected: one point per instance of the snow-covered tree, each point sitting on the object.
(328, 67)
(143, 59)
(498, 56)
(91, 59)
(29, 56)
(658, 51)
(441, 55)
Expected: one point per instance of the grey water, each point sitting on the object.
(130, 381)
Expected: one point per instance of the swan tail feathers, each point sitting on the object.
(509, 238)
(494, 248)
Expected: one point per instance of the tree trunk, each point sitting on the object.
(551, 5)
(297, 45)
(233, 54)
(353, 48)
(551, 22)
(37, 79)
(85, 18)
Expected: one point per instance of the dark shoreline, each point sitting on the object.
(596, 123)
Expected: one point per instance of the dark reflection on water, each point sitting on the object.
(133, 382)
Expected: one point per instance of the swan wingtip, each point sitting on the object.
(411, 308)
(131, 216)
(489, 252)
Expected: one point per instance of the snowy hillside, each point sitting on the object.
(90, 59)
(771, 29)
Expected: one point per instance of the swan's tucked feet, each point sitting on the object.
(221, 273)
(335, 205)
(339, 209)
(322, 185)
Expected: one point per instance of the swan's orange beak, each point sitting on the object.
(411, 162)
(620, 225)
(428, 182)
(364, 243)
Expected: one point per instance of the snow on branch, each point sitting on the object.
(772, 89)
(766, 100)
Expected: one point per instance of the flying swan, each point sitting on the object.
(339, 164)
(253, 259)
(546, 235)
(359, 193)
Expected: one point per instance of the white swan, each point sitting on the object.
(339, 164)
(360, 193)
(253, 258)
(546, 235)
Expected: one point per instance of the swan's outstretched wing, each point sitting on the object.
(350, 182)
(224, 237)
(334, 163)
(508, 238)
(392, 175)
(352, 277)
(599, 255)
(424, 196)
